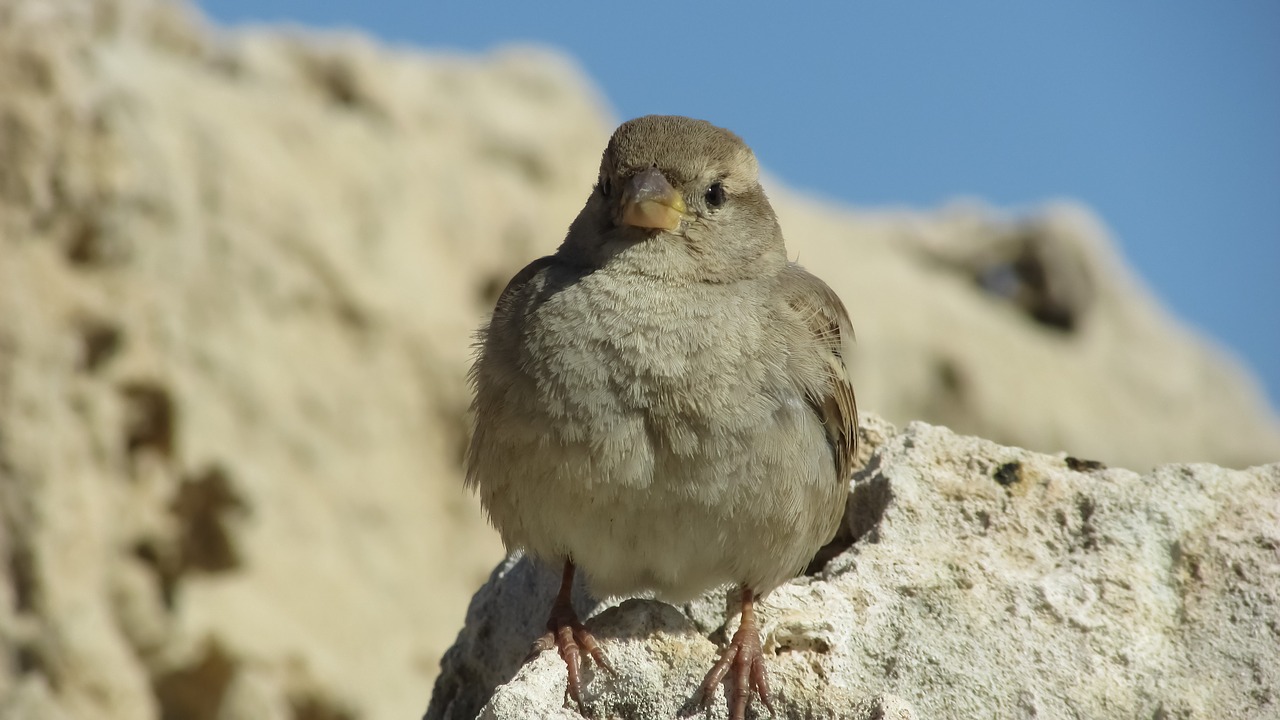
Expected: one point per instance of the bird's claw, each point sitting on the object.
(570, 638)
(744, 658)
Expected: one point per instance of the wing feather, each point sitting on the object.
(831, 333)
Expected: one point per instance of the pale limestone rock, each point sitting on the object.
(992, 582)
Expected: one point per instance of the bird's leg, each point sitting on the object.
(567, 634)
(744, 657)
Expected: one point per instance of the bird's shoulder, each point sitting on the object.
(529, 279)
(533, 286)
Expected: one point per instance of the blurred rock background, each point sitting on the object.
(238, 277)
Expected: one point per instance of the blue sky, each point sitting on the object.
(1163, 117)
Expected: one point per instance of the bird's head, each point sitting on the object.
(678, 198)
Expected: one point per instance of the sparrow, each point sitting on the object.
(665, 403)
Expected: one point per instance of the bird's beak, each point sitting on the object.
(649, 201)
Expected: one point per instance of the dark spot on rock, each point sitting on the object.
(1187, 562)
(32, 70)
(1038, 300)
(1079, 465)
(339, 82)
(1177, 712)
(313, 707)
(1086, 507)
(164, 566)
(336, 80)
(149, 423)
(789, 644)
(22, 578)
(984, 520)
(1193, 568)
(351, 314)
(203, 508)
(100, 341)
(195, 692)
(867, 505)
(89, 245)
(950, 378)
(1008, 474)
(28, 660)
(838, 544)
(889, 667)
(1088, 533)
(83, 247)
(1044, 275)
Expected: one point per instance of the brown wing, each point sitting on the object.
(832, 398)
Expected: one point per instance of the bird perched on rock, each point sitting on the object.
(665, 402)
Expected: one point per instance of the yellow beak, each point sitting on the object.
(649, 201)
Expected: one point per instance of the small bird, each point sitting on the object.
(665, 402)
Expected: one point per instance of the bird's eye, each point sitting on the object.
(715, 195)
(606, 187)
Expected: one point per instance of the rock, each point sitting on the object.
(993, 582)
(660, 660)
(239, 274)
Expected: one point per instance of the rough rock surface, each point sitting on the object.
(978, 581)
(238, 277)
